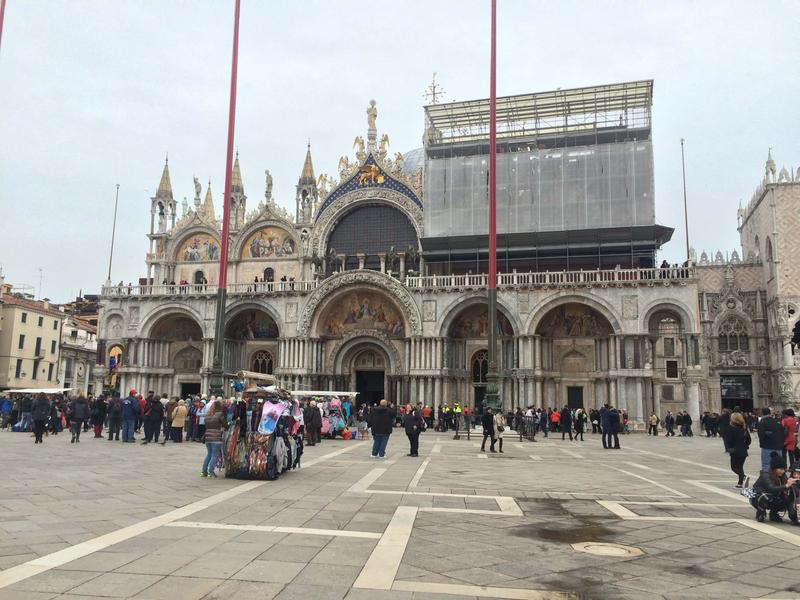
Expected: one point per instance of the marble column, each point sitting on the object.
(693, 401)
(640, 416)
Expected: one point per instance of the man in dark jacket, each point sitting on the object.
(130, 411)
(40, 413)
(78, 414)
(313, 423)
(669, 423)
(381, 422)
(565, 422)
(412, 422)
(770, 437)
(153, 416)
(609, 419)
(114, 417)
(487, 420)
(168, 408)
(27, 408)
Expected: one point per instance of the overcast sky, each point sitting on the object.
(94, 93)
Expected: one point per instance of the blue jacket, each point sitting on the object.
(130, 407)
(6, 406)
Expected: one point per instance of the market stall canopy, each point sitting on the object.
(38, 391)
(253, 376)
(304, 393)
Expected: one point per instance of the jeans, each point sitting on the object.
(413, 439)
(379, 443)
(765, 456)
(213, 450)
(128, 427)
(26, 421)
(608, 437)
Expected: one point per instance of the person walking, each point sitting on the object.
(580, 423)
(98, 415)
(381, 421)
(500, 427)
(215, 423)
(178, 417)
(737, 444)
(487, 420)
(130, 411)
(40, 412)
(789, 424)
(770, 437)
(652, 427)
(412, 422)
(669, 423)
(153, 416)
(79, 412)
(723, 422)
(565, 422)
(114, 417)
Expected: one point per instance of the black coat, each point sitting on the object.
(40, 410)
(737, 439)
(312, 417)
(80, 410)
(487, 421)
(381, 420)
(413, 422)
(770, 434)
(154, 410)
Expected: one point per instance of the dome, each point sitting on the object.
(413, 160)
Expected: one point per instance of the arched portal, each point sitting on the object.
(251, 340)
(575, 341)
(364, 364)
(176, 342)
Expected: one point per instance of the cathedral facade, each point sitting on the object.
(377, 283)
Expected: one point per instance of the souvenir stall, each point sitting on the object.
(265, 437)
(336, 411)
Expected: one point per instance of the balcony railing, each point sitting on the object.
(610, 277)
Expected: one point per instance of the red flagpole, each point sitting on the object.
(217, 372)
(226, 206)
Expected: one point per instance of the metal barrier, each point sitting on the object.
(527, 429)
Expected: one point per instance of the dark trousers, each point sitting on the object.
(167, 430)
(566, 430)
(38, 429)
(151, 430)
(315, 434)
(413, 439)
(76, 425)
(488, 434)
(114, 423)
(737, 466)
(177, 434)
(776, 503)
(607, 439)
(652, 430)
(670, 430)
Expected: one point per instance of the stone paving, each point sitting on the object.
(551, 519)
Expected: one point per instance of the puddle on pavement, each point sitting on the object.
(576, 529)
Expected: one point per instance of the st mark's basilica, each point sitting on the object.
(377, 283)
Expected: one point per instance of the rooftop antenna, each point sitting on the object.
(434, 91)
(113, 234)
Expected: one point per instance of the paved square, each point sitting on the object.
(551, 519)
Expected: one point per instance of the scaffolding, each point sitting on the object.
(559, 113)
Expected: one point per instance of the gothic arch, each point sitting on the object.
(333, 213)
(456, 307)
(174, 244)
(600, 305)
(355, 341)
(349, 281)
(671, 305)
(172, 309)
(728, 314)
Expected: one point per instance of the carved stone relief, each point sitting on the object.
(291, 312)
(630, 307)
(429, 311)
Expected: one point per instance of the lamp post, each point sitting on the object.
(217, 373)
(492, 397)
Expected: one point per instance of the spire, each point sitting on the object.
(236, 177)
(165, 186)
(208, 204)
(307, 176)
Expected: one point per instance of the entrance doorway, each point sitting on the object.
(189, 388)
(369, 385)
(737, 391)
(574, 396)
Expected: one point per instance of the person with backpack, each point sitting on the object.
(79, 413)
(114, 417)
(97, 415)
(153, 415)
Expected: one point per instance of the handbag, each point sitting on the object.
(501, 428)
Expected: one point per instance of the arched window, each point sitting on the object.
(770, 259)
(199, 276)
(269, 274)
(733, 336)
(262, 362)
(480, 367)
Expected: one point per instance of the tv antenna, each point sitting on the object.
(434, 91)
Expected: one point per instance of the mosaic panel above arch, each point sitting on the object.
(473, 322)
(252, 325)
(269, 242)
(361, 310)
(200, 247)
(574, 320)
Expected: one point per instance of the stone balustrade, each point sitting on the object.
(543, 279)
